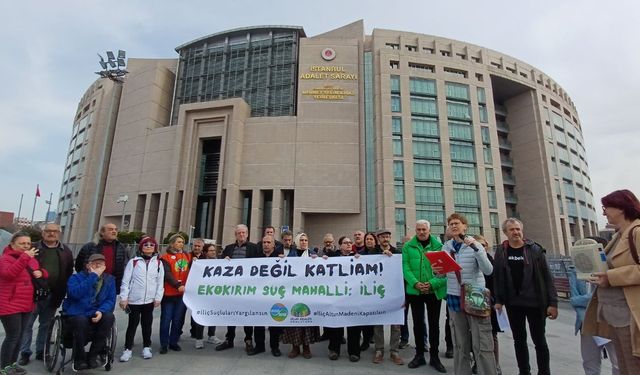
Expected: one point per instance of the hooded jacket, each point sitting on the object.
(82, 298)
(475, 264)
(417, 268)
(143, 281)
(121, 256)
(16, 287)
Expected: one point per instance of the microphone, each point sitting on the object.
(474, 247)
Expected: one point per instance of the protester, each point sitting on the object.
(335, 335)
(197, 331)
(523, 283)
(57, 259)
(88, 308)
(114, 252)
(301, 336)
(141, 292)
(172, 308)
(614, 310)
(423, 288)
(211, 251)
(17, 267)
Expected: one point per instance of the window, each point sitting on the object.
(392, 45)
(397, 145)
(395, 103)
(486, 137)
(411, 48)
(462, 151)
(427, 50)
(422, 87)
(422, 67)
(484, 117)
(460, 130)
(456, 72)
(479, 77)
(401, 222)
(394, 64)
(465, 195)
(482, 96)
(398, 170)
(491, 197)
(486, 153)
(434, 214)
(491, 181)
(428, 193)
(424, 127)
(463, 173)
(395, 84)
(445, 53)
(396, 125)
(457, 91)
(426, 148)
(427, 170)
(458, 110)
(399, 191)
(424, 106)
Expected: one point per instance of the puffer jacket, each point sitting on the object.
(16, 287)
(81, 296)
(121, 257)
(475, 264)
(417, 268)
(143, 282)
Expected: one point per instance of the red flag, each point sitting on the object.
(37, 191)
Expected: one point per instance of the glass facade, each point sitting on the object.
(259, 65)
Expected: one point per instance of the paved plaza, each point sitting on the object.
(564, 347)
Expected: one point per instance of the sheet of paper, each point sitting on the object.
(600, 340)
(503, 320)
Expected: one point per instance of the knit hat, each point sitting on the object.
(146, 239)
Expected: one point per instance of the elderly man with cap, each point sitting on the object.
(384, 241)
(91, 299)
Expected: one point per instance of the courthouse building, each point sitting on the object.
(331, 133)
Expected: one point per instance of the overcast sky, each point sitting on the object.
(48, 59)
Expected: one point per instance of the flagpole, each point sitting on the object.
(35, 199)
(46, 216)
(20, 207)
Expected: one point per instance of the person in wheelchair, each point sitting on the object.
(88, 308)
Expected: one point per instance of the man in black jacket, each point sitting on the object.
(57, 259)
(523, 283)
(240, 249)
(115, 253)
(268, 251)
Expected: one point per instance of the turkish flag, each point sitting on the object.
(37, 191)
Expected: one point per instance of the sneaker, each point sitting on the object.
(126, 355)
(175, 347)
(333, 355)
(224, 346)
(199, 344)
(354, 358)
(146, 353)
(214, 340)
(163, 350)
(248, 345)
(17, 370)
(378, 357)
(403, 344)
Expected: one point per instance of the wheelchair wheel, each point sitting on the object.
(54, 346)
(112, 341)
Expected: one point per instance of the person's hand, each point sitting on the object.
(498, 307)
(32, 252)
(356, 255)
(96, 317)
(600, 279)
(37, 274)
(325, 257)
(280, 255)
(552, 312)
(181, 289)
(468, 240)
(227, 258)
(156, 303)
(387, 253)
(426, 287)
(437, 269)
(123, 304)
(98, 269)
(313, 256)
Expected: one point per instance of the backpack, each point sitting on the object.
(135, 262)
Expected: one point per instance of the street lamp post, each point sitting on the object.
(72, 211)
(123, 199)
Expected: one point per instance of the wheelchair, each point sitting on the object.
(60, 338)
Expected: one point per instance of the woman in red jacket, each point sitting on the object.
(17, 266)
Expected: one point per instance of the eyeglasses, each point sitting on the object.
(347, 242)
(149, 244)
(51, 231)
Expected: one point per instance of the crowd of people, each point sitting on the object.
(515, 278)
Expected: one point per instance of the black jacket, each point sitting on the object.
(252, 250)
(65, 270)
(535, 268)
(120, 262)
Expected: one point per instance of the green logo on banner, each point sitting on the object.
(300, 310)
(279, 312)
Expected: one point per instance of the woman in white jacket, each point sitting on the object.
(141, 292)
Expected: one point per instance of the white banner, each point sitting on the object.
(336, 292)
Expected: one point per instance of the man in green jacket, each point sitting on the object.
(423, 287)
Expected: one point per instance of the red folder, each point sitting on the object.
(444, 260)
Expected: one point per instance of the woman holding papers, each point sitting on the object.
(472, 257)
(614, 309)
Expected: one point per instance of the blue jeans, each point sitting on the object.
(172, 312)
(45, 313)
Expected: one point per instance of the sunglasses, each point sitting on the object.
(149, 244)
